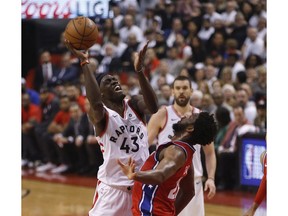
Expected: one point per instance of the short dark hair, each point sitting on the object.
(205, 128)
(182, 78)
(100, 76)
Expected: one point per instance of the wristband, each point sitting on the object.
(211, 178)
(86, 61)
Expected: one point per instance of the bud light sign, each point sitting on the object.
(59, 9)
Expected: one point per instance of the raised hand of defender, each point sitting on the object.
(128, 169)
(79, 54)
(139, 58)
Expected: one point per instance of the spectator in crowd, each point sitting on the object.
(161, 71)
(228, 149)
(33, 95)
(226, 75)
(252, 44)
(229, 15)
(147, 19)
(51, 149)
(223, 119)
(229, 94)
(211, 13)
(167, 13)
(261, 27)
(45, 71)
(210, 76)
(239, 31)
(109, 59)
(261, 119)
(206, 30)
(165, 97)
(175, 63)
(74, 95)
(49, 105)
(246, 7)
(31, 116)
(177, 28)
(118, 16)
(88, 139)
(160, 44)
(196, 99)
(207, 104)
(68, 72)
(130, 28)
(128, 53)
(233, 61)
(253, 61)
(72, 156)
(198, 50)
(119, 45)
(260, 86)
(107, 29)
(259, 11)
(249, 107)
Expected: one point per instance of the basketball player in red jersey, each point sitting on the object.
(261, 192)
(121, 132)
(160, 128)
(170, 168)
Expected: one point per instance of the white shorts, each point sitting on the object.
(196, 206)
(112, 201)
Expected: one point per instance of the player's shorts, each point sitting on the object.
(112, 201)
(196, 205)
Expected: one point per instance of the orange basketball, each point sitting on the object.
(82, 33)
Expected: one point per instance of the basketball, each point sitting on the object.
(82, 33)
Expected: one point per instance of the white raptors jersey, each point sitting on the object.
(167, 133)
(123, 138)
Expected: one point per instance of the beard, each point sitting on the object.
(182, 102)
(178, 128)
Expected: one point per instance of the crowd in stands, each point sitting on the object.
(220, 45)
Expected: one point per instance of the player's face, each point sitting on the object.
(182, 92)
(182, 125)
(111, 88)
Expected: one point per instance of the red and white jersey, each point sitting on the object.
(167, 133)
(122, 138)
(159, 200)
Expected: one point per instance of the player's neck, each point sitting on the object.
(182, 110)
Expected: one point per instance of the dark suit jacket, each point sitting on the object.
(39, 79)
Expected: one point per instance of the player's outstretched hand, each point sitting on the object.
(209, 184)
(139, 58)
(128, 169)
(79, 54)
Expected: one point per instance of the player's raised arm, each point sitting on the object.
(91, 85)
(150, 102)
(172, 159)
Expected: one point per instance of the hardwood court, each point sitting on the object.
(70, 195)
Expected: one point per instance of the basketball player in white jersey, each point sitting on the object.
(121, 133)
(160, 128)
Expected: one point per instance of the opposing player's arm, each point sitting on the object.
(186, 192)
(155, 124)
(172, 159)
